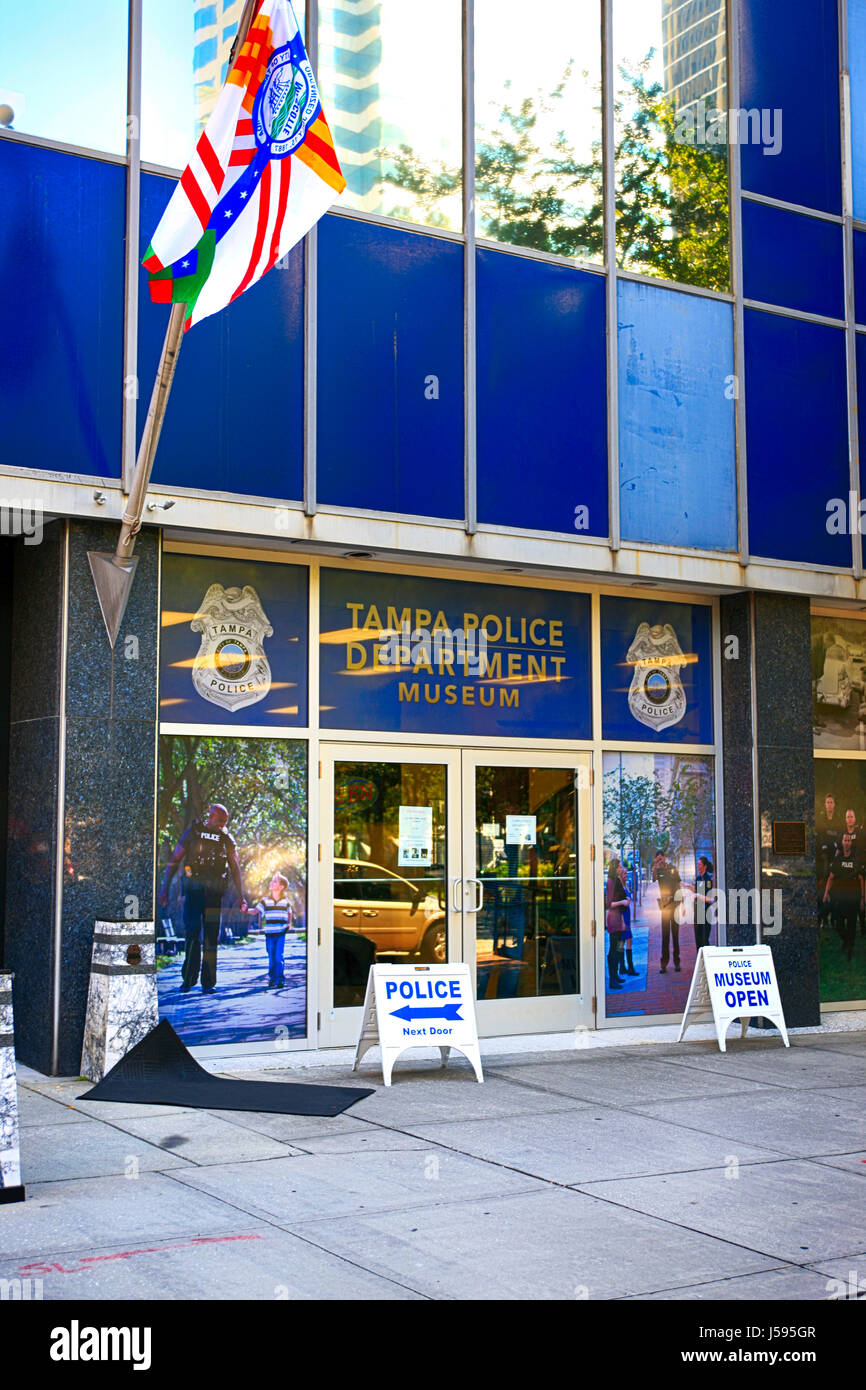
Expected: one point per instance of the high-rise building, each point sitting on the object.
(215, 24)
(695, 52)
(350, 57)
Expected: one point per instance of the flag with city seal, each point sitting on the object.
(263, 172)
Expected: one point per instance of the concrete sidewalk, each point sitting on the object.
(654, 1171)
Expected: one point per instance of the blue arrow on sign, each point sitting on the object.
(409, 1015)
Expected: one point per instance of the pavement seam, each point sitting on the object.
(694, 1230)
(611, 1105)
(290, 1231)
(782, 1268)
(688, 1065)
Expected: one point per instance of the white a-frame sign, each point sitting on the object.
(734, 982)
(419, 1006)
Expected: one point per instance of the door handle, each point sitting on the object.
(455, 884)
(369, 912)
(479, 896)
(349, 912)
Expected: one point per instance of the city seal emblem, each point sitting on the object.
(230, 668)
(656, 697)
(287, 101)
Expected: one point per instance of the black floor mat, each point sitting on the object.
(160, 1071)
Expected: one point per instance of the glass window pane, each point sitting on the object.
(63, 73)
(671, 134)
(660, 884)
(538, 126)
(236, 930)
(840, 810)
(396, 112)
(525, 854)
(389, 880)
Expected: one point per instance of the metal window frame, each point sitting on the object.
(608, 194)
(133, 227)
(735, 193)
(470, 317)
(848, 253)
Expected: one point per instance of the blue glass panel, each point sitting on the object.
(235, 417)
(542, 412)
(390, 410)
(205, 18)
(530, 676)
(857, 70)
(796, 437)
(61, 310)
(860, 277)
(789, 64)
(677, 450)
(647, 695)
(793, 260)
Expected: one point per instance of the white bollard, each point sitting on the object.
(121, 1002)
(11, 1189)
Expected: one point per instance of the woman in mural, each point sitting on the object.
(702, 901)
(615, 900)
(628, 968)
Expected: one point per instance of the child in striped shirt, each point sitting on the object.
(275, 911)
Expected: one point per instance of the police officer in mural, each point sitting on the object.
(845, 891)
(828, 837)
(209, 856)
(668, 879)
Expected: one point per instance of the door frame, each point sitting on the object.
(496, 1017)
(339, 1027)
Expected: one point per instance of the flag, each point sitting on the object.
(263, 172)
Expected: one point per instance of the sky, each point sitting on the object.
(72, 85)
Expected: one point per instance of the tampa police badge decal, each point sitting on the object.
(656, 697)
(230, 667)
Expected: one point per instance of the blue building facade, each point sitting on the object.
(605, 377)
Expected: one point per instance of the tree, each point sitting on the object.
(689, 811)
(672, 216)
(630, 806)
(262, 782)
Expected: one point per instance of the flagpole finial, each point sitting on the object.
(112, 578)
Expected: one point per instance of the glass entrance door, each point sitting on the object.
(433, 854)
(527, 889)
(390, 847)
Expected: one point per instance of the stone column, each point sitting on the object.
(82, 778)
(11, 1189)
(767, 742)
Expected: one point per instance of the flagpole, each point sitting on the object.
(113, 574)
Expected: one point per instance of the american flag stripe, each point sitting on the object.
(285, 180)
(198, 202)
(261, 228)
(208, 157)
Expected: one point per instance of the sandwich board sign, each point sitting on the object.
(734, 982)
(419, 1006)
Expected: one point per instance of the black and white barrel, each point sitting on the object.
(121, 1001)
(11, 1189)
